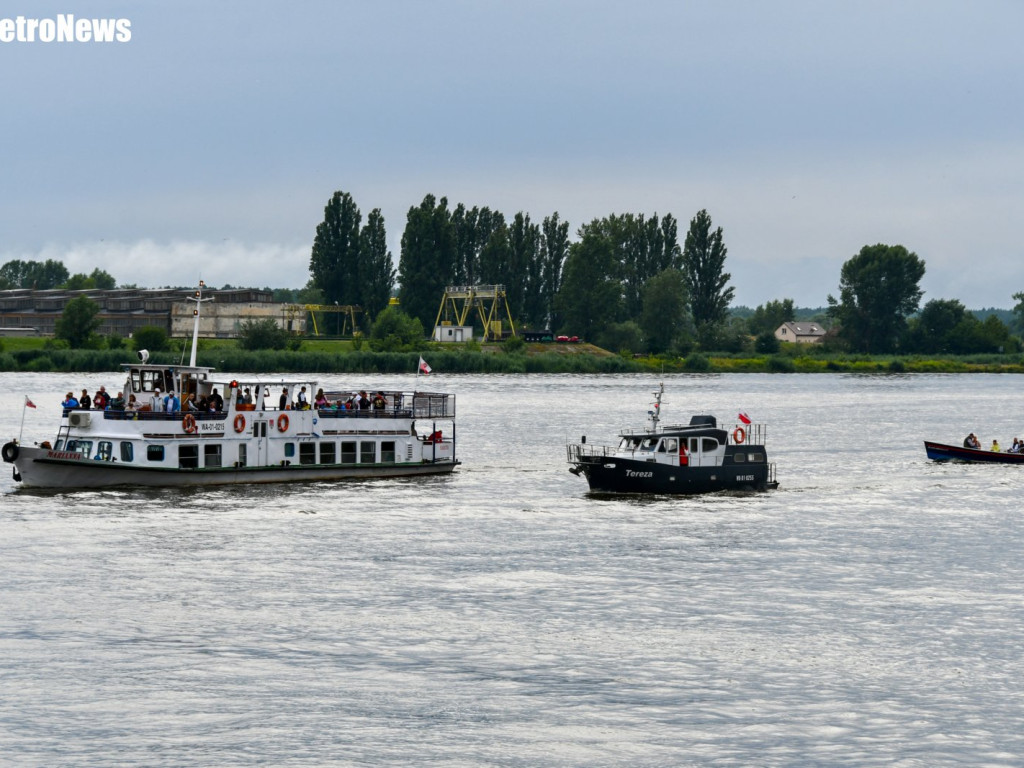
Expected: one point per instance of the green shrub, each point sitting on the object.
(779, 364)
(697, 363)
(513, 345)
(149, 337)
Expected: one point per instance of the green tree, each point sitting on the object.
(768, 317)
(427, 263)
(78, 322)
(554, 250)
(394, 330)
(151, 337)
(376, 268)
(590, 297)
(334, 261)
(523, 273)
(1018, 312)
(704, 267)
(625, 337)
(262, 333)
(98, 279)
(930, 331)
(39, 275)
(878, 290)
(102, 280)
(664, 318)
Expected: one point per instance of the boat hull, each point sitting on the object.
(40, 468)
(618, 475)
(944, 452)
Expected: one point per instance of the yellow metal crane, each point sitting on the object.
(348, 314)
(488, 300)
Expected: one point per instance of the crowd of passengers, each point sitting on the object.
(214, 402)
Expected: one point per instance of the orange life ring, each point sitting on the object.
(282, 422)
(239, 423)
(189, 423)
(738, 435)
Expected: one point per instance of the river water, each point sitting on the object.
(869, 612)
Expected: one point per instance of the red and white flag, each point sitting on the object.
(29, 403)
(424, 367)
(744, 418)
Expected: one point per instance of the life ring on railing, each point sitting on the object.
(739, 435)
(10, 452)
(189, 423)
(239, 423)
(282, 422)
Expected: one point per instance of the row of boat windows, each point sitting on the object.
(669, 444)
(352, 452)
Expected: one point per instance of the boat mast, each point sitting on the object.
(654, 416)
(198, 299)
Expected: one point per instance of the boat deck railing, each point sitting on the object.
(580, 451)
(399, 405)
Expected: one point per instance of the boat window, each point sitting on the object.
(188, 456)
(127, 452)
(348, 452)
(59, 445)
(694, 444)
(80, 446)
(327, 453)
(648, 444)
(243, 455)
(212, 455)
(289, 450)
(387, 452)
(154, 453)
(758, 457)
(708, 444)
(136, 380)
(104, 451)
(307, 453)
(668, 445)
(739, 458)
(152, 380)
(367, 452)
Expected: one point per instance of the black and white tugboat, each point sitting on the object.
(222, 431)
(700, 457)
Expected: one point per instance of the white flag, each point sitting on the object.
(424, 367)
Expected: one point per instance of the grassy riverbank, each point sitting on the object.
(332, 356)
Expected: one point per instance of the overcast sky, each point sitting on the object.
(208, 145)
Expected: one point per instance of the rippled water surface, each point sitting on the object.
(869, 612)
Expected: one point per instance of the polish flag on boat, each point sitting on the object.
(29, 403)
(744, 418)
(424, 367)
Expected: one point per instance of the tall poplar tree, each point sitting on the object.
(427, 263)
(376, 267)
(334, 262)
(590, 297)
(703, 265)
(554, 249)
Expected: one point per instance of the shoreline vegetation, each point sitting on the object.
(337, 356)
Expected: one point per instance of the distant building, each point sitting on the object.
(801, 333)
(124, 310)
(453, 333)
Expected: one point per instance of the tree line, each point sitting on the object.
(624, 283)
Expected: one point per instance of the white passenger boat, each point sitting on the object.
(267, 440)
